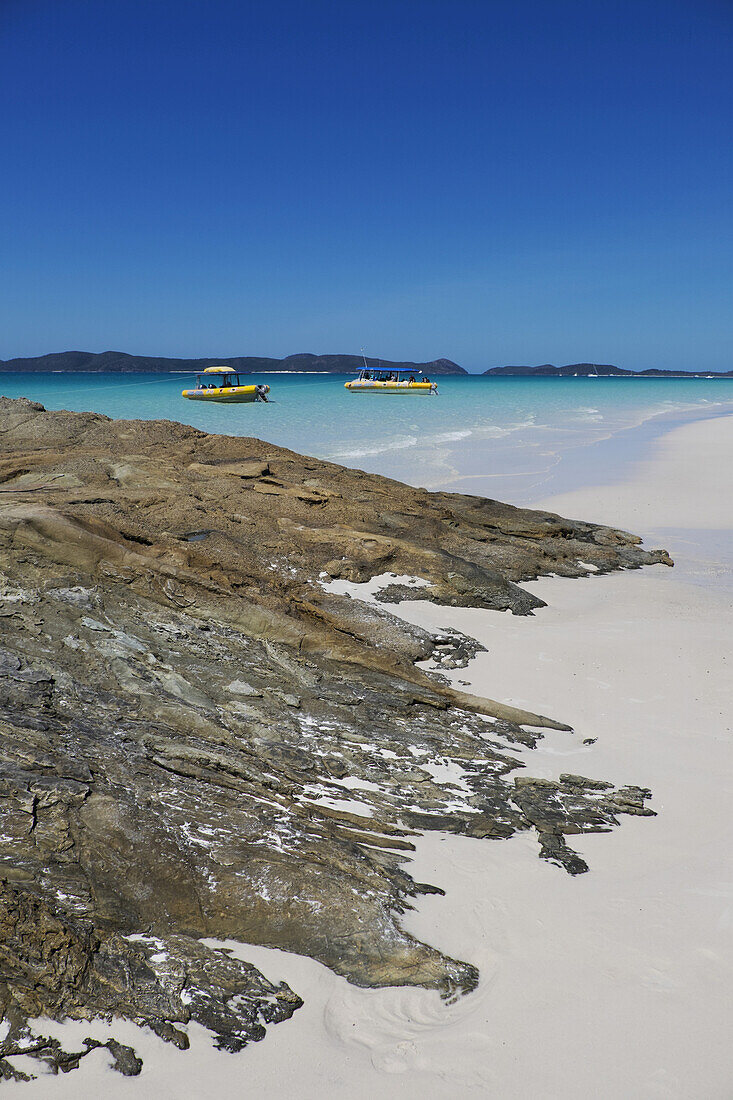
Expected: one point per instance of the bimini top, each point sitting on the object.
(388, 374)
(219, 370)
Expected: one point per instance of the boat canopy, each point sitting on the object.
(226, 378)
(387, 374)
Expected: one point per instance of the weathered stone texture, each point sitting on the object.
(197, 740)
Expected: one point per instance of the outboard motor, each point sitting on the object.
(262, 392)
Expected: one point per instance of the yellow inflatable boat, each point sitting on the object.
(378, 380)
(223, 384)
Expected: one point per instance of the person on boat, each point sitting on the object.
(412, 377)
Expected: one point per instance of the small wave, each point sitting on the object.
(588, 416)
(497, 431)
(365, 452)
(404, 443)
(452, 437)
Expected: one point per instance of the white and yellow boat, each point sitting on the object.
(223, 384)
(384, 380)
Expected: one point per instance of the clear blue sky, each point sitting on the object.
(496, 182)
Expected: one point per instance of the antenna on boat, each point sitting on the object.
(364, 358)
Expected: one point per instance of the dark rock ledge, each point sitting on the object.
(188, 721)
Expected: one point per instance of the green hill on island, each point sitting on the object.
(319, 364)
(599, 370)
(247, 364)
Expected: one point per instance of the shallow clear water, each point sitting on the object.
(514, 438)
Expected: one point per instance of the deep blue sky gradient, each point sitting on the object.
(496, 182)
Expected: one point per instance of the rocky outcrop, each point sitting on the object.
(199, 739)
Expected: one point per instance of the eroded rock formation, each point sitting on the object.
(198, 739)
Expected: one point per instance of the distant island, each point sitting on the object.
(247, 364)
(319, 364)
(600, 370)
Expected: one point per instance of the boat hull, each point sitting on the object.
(233, 395)
(404, 388)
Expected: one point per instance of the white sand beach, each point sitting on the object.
(616, 983)
(685, 482)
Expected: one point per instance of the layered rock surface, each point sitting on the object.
(200, 740)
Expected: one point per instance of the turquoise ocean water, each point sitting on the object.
(517, 439)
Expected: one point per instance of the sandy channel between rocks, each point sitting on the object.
(616, 983)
